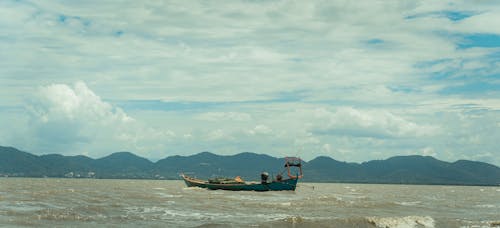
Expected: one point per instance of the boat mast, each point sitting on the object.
(293, 162)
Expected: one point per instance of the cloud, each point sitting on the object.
(226, 116)
(65, 117)
(260, 130)
(368, 123)
(60, 102)
(243, 51)
(273, 76)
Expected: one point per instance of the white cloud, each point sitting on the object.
(480, 23)
(218, 134)
(367, 123)
(65, 119)
(60, 102)
(326, 148)
(224, 116)
(279, 73)
(260, 130)
(428, 151)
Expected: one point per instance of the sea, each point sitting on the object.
(52, 202)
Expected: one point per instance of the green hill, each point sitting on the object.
(399, 170)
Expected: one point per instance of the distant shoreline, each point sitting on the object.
(406, 170)
(308, 182)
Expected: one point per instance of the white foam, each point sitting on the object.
(168, 213)
(402, 222)
(193, 189)
(294, 219)
(478, 224)
(165, 195)
(485, 206)
(412, 203)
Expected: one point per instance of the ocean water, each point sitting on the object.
(26, 202)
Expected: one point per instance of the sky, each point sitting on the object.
(353, 80)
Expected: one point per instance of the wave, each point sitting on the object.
(485, 206)
(411, 203)
(402, 222)
(166, 195)
(385, 222)
(66, 215)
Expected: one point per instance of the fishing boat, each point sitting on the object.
(237, 184)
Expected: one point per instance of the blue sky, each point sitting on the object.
(352, 80)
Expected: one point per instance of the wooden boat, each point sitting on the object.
(277, 184)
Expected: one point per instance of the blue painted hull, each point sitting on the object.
(284, 185)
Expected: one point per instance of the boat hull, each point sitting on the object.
(284, 185)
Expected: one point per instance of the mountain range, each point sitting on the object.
(412, 169)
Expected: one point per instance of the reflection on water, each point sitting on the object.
(89, 202)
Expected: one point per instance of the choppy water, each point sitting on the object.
(155, 203)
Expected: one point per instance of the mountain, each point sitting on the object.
(326, 169)
(56, 164)
(123, 165)
(399, 169)
(407, 170)
(206, 164)
(19, 162)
